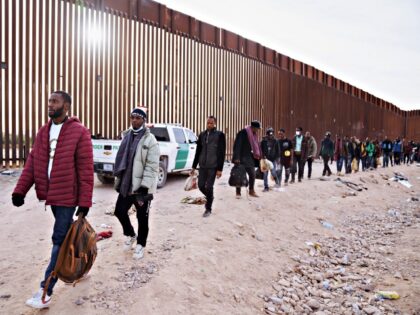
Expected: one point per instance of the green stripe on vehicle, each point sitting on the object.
(181, 156)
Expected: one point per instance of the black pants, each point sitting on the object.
(310, 160)
(206, 178)
(121, 212)
(251, 177)
(326, 170)
(298, 166)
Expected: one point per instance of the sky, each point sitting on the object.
(371, 44)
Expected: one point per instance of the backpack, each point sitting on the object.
(238, 176)
(77, 254)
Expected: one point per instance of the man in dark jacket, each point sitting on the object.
(210, 154)
(327, 153)
(61, 167)
(386, 151)
(286, 152)
(270, 151)
(247, 152)
(300, 154)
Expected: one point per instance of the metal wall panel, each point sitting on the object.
(114, 55)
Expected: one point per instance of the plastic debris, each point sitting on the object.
(195, 201)
(326, 224)
(389, 295)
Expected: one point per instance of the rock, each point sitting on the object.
(219, 239)
(356, 309)
(206, 294)
(276, 300)
(285, 308)
(271, 308)
(237, 298)
(370, 310)
(284, 283)
(320, 313)
(79, 301)
(5, 296)
(314, 304)
(398, 275)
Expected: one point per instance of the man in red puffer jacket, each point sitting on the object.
(61, 167)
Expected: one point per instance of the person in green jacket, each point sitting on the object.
(370, 150)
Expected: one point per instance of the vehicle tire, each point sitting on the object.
(162, 174)
(105, 179)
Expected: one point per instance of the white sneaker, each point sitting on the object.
(138, 252)
(36, 300)
(129, 242)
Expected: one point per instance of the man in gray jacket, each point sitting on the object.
(210, 154)
(312, 152)
(136, 173)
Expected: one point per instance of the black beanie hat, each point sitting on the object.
(139, 113)
(256, 124)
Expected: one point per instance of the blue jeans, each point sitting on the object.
(385, 160)
(63, 220)
(340, 162)
(273, 173)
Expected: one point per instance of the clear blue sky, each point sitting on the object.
(371, 44)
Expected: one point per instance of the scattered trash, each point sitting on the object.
(402, 179)
(315, 245)
(326, 224)
(326, 284)
(105, 226)
(349, 194)
(279, 189)
(357, 187)
(393, 213)
(103, 235)
(389, 295)
(195, 201)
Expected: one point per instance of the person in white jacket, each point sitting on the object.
(136, 175)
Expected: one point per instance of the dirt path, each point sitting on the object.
(227, 263)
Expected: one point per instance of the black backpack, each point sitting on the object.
(238, 176)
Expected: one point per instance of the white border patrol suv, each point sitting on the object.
(177, 146)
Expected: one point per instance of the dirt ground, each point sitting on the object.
(226, 263)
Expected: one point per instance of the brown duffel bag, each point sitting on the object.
(77, 254)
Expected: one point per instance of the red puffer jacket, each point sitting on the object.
(71, 180)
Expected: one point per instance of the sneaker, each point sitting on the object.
(138, 252)
(206, 213)
(238, 195)
(36, 300)
(129, 242)
(266, 189)
(292, 181)
(277, 186)
(299, 180)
